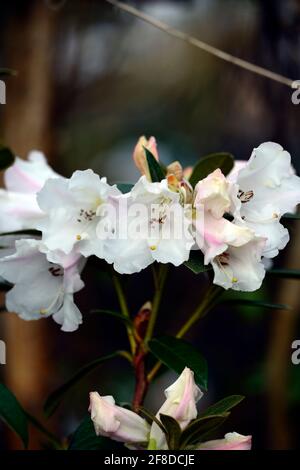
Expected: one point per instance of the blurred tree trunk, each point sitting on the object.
(282, 334)
(27, 117)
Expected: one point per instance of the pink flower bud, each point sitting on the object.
(182, 397)
(139, 155)
(116, 422)
(231, 441)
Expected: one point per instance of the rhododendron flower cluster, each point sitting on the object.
(232, 219)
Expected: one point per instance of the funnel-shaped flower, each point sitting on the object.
(116, 422)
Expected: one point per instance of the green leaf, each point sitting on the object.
(13, 414)
(199, 429)
(125, 187)
(85, 438)
(155, 169)
(210, 163)
(151, 418)
(177, 354)
(286, 273)
(173, 431)
(291, 216)
(51, 437)
(55, 398)
(196, 262)
(222, 406)
(7, 158)
(116, 315)
(5, 72)
(32, 233)
(5, 286)
(255, 303)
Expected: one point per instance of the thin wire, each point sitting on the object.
(204, 46)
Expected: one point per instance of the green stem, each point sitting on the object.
(125, 311)
(204, 307)
(161, 279)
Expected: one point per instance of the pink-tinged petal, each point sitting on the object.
(116, 422)
(181, 399)
(28, 176)
(213, 194)
(238, 166)
(231, 441)
(187, 172)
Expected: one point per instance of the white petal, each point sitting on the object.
(18, 211)
(244, 270)
(28, 176)
(69, 316)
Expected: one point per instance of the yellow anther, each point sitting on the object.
(78, 237)
(153, 247)
(43, 311)
(234, 279)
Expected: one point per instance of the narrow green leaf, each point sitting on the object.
(222, 160)
(116, 315)
(289, 215)
(255, 304)
(199, 429)
(196, 262)
(177, 354)
(125, 187)
(5, 286)
(151, 418)
(222, 406)
(55, 398)
(85, 438)
(12, 413)
(39, 426)
(285, 273)
(6, 72)
(173, 431)
(7, 158)
(32, 233)
(155, 169)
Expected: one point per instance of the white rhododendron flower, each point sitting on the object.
(123, 425)
(240, 268)
(157, 228)
(181, 399)
(43, 287)
(18, 206)
(231, 441)
(116, 422)
(233, 249)
(268, 188)
(73, 211)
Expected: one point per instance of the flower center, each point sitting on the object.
(245, 196)
(223, 261)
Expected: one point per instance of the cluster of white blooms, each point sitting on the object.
(123, 425)
(233, 220)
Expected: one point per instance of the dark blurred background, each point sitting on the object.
(90, 80)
